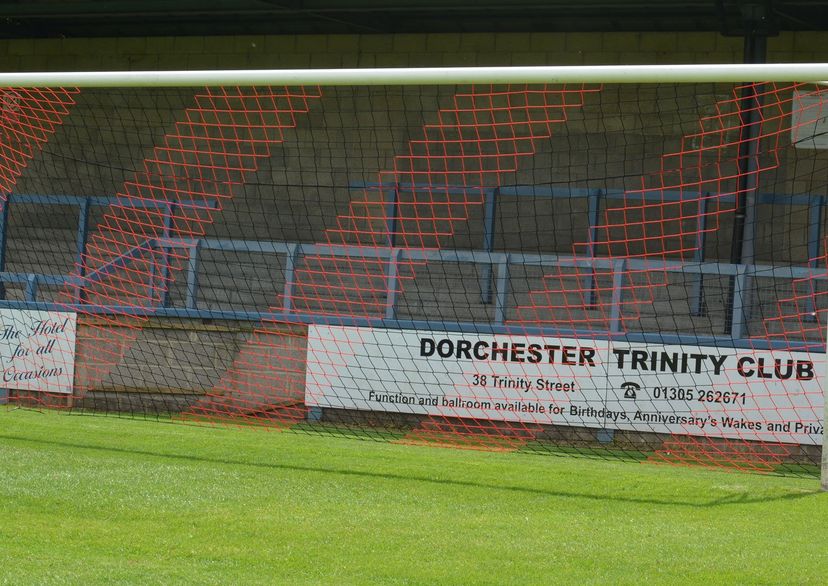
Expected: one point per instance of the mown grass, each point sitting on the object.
(89, 500)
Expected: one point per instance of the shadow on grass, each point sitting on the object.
(743, 498)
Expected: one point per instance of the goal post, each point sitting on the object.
(622, 261)
(824, 466)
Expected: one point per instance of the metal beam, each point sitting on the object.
(742, 249)
(4, 227)
(489, 230)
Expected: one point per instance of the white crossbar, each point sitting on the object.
(695, 73)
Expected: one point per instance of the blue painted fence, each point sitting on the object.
(491, 262)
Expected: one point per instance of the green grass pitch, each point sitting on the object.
(102, 500)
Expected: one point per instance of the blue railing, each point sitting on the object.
(619, 269)
(595, 200)
(494, 263)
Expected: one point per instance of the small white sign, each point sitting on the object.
(771, 396)
(37, 350)
(809, 120)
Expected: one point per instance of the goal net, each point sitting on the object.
(626, 269)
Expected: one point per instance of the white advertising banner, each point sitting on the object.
(809, 120)
(37, 350)
(694, 390)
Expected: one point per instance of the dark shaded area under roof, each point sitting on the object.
(96, 18)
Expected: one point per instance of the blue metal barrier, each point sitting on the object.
(392, 257)
(595, 198)
(497, 264)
